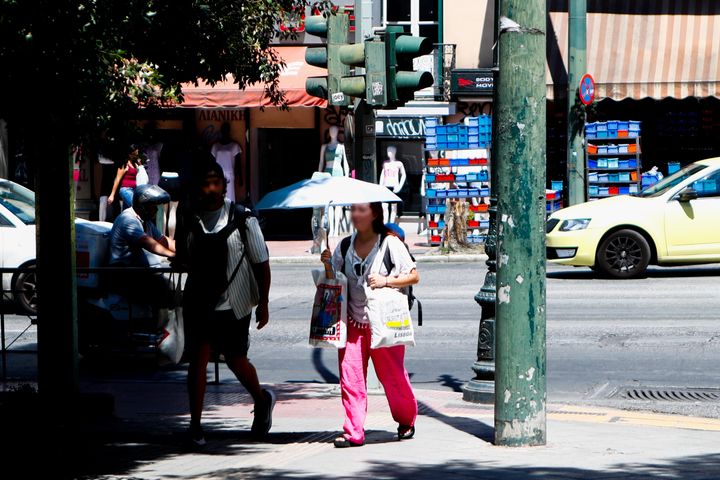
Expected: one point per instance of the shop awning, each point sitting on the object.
(641, 49)
(226, 94)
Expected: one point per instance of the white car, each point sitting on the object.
(17, 243)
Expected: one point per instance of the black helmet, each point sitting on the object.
(149, 195)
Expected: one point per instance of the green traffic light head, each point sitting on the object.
(407, 45)
(317, 56)
(317, 87)
(317, 25)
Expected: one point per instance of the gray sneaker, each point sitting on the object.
(263, 415)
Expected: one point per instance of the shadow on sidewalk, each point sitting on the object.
(471, 426)
(705, 467)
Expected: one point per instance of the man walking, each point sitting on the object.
(229, 274)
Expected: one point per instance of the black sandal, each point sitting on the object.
(406, 432)
(342, 442)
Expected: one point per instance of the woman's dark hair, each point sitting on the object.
(378, 224)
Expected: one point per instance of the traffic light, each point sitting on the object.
(370, 85)
(402, 80)
(335, 28)
(388, 79)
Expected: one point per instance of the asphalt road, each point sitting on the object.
(660, 331)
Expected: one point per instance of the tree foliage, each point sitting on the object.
(81, 62)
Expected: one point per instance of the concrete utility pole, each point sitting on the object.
(520, 361)
(577, 46)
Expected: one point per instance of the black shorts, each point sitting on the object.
(225, 333)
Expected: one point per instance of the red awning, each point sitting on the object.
(226, 94)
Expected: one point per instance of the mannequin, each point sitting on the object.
(333, 160)
(393, 177)
(228, 154)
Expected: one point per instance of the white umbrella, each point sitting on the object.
(324, 191)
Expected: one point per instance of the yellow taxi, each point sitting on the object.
(674, 222)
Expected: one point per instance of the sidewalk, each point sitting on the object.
(298, 251)
(453, 440)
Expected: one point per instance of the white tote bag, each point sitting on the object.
(141, 178)
(388, 311)
(328, 324)
(172, 338)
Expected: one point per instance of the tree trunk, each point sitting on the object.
(456, 218)
(57, 305)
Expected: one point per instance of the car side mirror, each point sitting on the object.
(687, 194)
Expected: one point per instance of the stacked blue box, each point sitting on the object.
(649, 180)
(633, 129)
(479, 131)
(476, 134)
(591, 130)
(431, 124)
(602, 130)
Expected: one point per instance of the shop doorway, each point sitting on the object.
(287, 155)
(412, 154)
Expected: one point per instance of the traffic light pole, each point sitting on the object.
(520, 364)
(364, 149)
(577, 44)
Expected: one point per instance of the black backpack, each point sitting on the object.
(389, 265)
(207, 266)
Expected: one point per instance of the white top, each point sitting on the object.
(357, 301)
(225, 157)
(242, 294)
(391, 174)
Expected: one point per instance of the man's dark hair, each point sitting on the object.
(207, 168)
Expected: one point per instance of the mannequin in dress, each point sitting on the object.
(228, 155)
(393, 177)
(333, 160)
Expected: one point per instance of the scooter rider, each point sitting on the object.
(133, 233)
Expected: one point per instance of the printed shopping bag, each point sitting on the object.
(172, 335)
(388, 311)
(328, 324)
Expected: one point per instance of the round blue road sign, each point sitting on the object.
(587, 89)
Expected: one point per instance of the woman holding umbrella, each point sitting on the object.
(355, 263)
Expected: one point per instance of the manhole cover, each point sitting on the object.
(669, 394)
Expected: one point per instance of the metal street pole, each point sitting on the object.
(481, 389)
(520, 363)
(577, 45)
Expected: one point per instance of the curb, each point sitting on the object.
(314, 259)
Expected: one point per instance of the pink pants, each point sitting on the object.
(390, 367)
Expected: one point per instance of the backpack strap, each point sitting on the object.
(387, 259)
(239, 215)
(344, 249)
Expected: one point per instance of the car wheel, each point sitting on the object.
(623, 254)
(25, 291)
